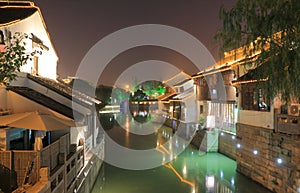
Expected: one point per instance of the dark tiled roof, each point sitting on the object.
(45, 101)
(13, 11)
(184, 94)
(212, 71)
(169, 97)
(250, 75)
(14, 3)
(65, 90)
(182, 82)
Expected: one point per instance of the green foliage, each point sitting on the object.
(13, 57)
(270, 28)
(119, 94)
(104, 93)
(152, 88)
(202, 119)
(138, 95)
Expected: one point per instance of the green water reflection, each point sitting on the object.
(191, 172)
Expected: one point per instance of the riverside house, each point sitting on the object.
(70, 158)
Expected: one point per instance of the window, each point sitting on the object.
(253, 98)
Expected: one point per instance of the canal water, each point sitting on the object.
(192, 171)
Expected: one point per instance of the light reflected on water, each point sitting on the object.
(191, 171)
(184, 170)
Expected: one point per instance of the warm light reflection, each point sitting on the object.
(170, 166)
(159, 150)
(165, 149)
(184, 170)
(170, 145)
(127, 123)
(194, 190)
(210, 182)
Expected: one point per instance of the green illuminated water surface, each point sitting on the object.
(191, 172)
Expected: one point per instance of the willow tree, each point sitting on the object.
(270, 29)
(13, 57)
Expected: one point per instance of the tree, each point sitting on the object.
(270, 29)
(13, 57)
(138, 95)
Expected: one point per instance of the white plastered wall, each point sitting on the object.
(48, 59)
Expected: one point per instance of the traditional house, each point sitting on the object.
(267, 132)
(177, 99)
(216, 98)
(65, 163)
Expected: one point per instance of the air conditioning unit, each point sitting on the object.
(294, 109)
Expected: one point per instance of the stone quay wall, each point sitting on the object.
(227, 144)
(269, 158)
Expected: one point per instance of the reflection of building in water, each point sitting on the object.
(214, 185)
(142, 111)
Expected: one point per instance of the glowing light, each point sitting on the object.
(221, 174)
(279, 161)
(210, 182)
(238, 146)
(232, 181)
(222, 134)
(179, 176)
(233, 137)
(255, 152)
(184, 170)
(194, 190)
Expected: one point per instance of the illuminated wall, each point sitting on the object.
(47, 62)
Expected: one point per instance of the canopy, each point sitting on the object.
(36, 121)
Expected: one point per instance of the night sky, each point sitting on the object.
(76, 25)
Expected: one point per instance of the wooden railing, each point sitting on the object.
(287, 124)
(21, 163)
(62, 167)
(57, 180)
